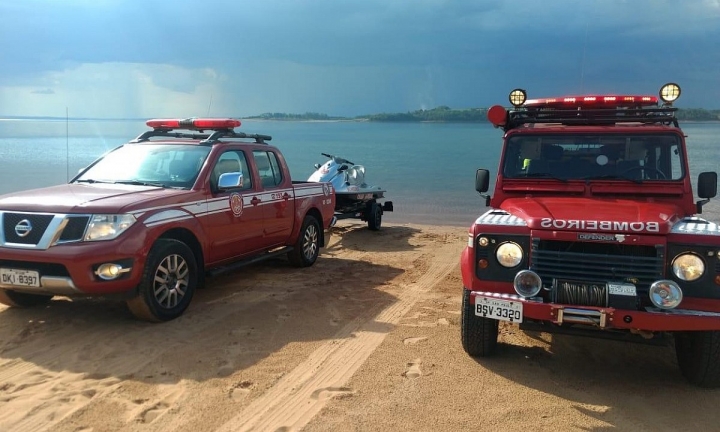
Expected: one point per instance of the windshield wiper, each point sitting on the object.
(546, 175)
(139, 183)
(92, 181)
(613, 177)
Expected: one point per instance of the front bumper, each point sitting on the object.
(69, 269)
(610, 318)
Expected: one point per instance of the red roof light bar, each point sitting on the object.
(194, 123)
(592, 101)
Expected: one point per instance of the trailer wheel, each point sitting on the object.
(168, 282)
(22, 300)
(307, 246)
(698, 355)
(479, 335)
(374, 216)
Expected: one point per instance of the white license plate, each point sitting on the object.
(503, 310)
(20, 278)
(624, 289)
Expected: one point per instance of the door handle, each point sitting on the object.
(255, 201)
(286, 196)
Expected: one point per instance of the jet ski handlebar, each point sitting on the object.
(337, 159)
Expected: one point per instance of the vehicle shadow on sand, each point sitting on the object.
(357, 237)
(237, 321)
(624, 385)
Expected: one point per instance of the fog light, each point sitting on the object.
(110, 271)
(665, 294)
(483, 241)
(527, 283)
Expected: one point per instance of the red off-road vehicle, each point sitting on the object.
(150, 218)
(592, 230)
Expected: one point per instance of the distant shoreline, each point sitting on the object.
(369, 118)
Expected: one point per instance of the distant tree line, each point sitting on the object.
(450, 115)
(698, 114)
(306, 116)
(439, 114)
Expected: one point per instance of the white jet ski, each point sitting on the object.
(353, 197)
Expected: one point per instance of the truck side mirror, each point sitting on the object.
(707, 188)
(482, 180)
(707, 184)
(482, 184)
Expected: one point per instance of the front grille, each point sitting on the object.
(39, 223)
(597, 262)
(75, 228)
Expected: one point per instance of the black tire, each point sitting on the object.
(698, 355)
(23, 300)
(307, 247)
(374, 216)
(168, 282)
(479, 335)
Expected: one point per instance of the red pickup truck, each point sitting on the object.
(149, 219)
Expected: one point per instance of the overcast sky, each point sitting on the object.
(151, 58)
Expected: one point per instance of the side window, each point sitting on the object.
(268, 168)
(232, 162)
(675, 162)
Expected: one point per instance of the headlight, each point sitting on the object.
(688, 267)
(509, 254)
(108, 227)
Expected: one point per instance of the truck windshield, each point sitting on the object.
(633, 157)
(166, 165)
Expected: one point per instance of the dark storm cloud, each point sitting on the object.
(385, 55)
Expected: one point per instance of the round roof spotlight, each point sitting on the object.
(518, 97)
(669, 92)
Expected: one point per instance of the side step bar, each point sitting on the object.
(236, 265)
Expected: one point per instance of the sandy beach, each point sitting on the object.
(365, 340)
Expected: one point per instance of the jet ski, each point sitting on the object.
(353, 197)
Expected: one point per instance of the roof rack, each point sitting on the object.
(599, 116)
(205, 137)
(587, 110)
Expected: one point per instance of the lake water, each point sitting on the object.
(428, 169)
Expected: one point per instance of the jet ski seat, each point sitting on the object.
(356, 175)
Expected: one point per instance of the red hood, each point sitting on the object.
(593, 214)
(85, 198)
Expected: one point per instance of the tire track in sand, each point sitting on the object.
(68, 393)
(302, 393)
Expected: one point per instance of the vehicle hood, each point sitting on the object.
(593, 214)
(85, 198)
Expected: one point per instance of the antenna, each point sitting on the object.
(582, 65)
(67, 144)
(209, 105)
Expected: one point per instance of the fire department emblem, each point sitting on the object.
(326, 189)
(236, 204)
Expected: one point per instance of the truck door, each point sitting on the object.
(234, 217)
(278, 199)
